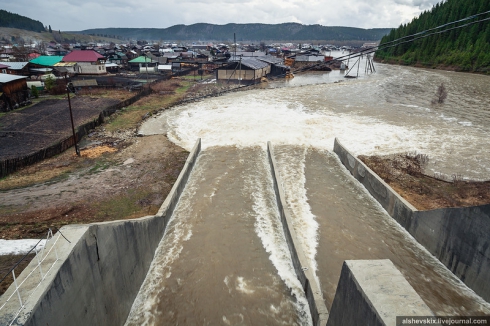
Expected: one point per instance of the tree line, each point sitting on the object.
(8, 19)
(465, 49)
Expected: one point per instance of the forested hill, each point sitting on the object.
(244, 32)
(11, 20)
(466, 48)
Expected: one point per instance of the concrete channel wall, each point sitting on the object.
(374, 292)
(100, 272)
(458, 237)
(305, 274)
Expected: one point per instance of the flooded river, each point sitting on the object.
(224, 260)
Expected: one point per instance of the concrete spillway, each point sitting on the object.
(249, 238)
(223, 256)
(352, 225)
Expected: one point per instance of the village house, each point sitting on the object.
(13, 92)
(18, 68)
(43, 64)
(143, 64)
(3, 68)
(88, 62)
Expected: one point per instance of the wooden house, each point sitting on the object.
(142, 62)
(13, 92)
(18, 68)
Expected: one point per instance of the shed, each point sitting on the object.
(14, 92)
(246, 69)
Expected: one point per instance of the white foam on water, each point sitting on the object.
(290, 116)
(291, 166)
(269, 229)
(243, 286)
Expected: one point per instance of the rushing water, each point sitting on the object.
(223, 258)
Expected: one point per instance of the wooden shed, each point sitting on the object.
(13, 92)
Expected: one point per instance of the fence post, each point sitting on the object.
(17, 288)
(39, 263)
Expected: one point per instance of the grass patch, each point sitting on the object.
(132, 116)
(134, 203)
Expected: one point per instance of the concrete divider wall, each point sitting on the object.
(458, 237)
(373, 292)
(98, 278)
(305, 274)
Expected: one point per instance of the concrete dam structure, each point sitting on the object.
(232, 245)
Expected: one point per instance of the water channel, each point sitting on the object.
(223, 259)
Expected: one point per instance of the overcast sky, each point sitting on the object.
(76, 15)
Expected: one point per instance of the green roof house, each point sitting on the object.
(142, 62)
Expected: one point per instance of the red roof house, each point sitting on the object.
(88, 62)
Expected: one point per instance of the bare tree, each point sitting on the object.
(441, 95)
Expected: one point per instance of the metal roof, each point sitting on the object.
(47, 60)
(252, 63)
(6, 78)
(83, 56)
(17, 65)
(271, 59)
(65, 64)
(141, 59)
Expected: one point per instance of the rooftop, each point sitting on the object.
(83, 56)
(47, 60)
(6, 78)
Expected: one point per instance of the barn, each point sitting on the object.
(13, 92)
(247, 69)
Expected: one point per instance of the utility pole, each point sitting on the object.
(146, 62)
(68, 86)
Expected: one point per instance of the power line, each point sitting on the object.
(422, 35)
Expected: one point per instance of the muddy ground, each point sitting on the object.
(405, 174)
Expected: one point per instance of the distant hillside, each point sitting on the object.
(244, 32)
(466, 49)
(21, 36)
(11, 20)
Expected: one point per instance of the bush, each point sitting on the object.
(34, 91)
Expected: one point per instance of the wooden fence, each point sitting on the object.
(9, 166)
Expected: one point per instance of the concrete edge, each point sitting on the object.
(337, 144)
(30, 290)
(172, 197)
(78, 236)
(374, 292)
(304, 272)
(462, 247)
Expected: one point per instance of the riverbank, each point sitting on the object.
(405, 174)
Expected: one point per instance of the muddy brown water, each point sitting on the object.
(352, 225)
(213, 266)
(335, 219)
